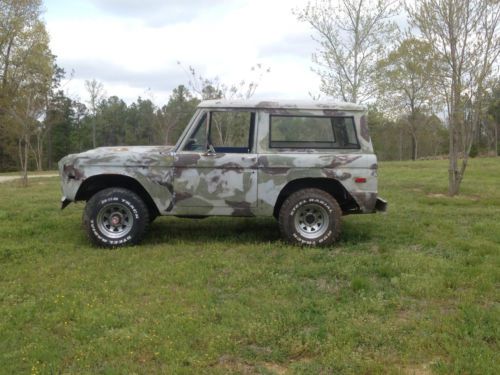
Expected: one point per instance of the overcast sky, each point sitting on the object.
(132, 46)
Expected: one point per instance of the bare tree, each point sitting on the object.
(352, 35)
(214, 88)
(95, 90)
(465, 35)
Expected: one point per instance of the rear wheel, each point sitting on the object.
(310, 217)
(115, 217)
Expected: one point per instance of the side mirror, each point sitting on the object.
(210, 150)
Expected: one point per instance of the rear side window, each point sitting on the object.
(312, 132)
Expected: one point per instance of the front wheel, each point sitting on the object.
(310, 217)
(115, 217)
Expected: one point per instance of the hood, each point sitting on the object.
(123, 156)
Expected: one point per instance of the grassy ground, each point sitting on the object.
(414, 291)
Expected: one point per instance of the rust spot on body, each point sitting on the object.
(73, 172)
(275, 170)
(340, 160)
(182, 196)
(184, 160)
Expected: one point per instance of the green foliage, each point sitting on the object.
(406, 82)
(174, 117)
(27, 72)
(473, 151)
(230, 129)
(411, 291)
(392, 140)
(406, 78)
(352, 35)
(68, 125)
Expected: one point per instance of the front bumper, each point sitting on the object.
(381, 205)
(64, 202)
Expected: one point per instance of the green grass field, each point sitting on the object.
(413, 291)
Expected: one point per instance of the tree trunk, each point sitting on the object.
(453, 173)
(49, 149)
(496, 139)
(93, 133)
(38, 152)
(414, 147)
(23, 158)
(26, 159)
(400, 144)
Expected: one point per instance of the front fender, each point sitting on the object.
(77, 180)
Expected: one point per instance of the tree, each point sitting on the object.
(214, 88)
(95, 90)
(174, 117)
(44, 128)
(79, 134)
(406, 84)
(26, 65)
(352, 35)
(111, 116)
(141, 124)
(392, 141)
(494, 117)
(59, 122)
(464, 34)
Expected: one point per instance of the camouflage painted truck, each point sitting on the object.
(305, 163)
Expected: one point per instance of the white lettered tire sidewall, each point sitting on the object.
(314, 197)
(118, 197)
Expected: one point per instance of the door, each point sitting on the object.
(217, 166)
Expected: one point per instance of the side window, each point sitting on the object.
(345, 132)
(312, 132)
(198, 140)
(231, 131)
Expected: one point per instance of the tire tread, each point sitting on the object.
(91, 207)
(292, 200)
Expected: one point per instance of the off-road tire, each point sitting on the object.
(115, 217)
(310, 217)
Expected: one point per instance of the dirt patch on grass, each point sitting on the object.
(417, 370)
(234, 364)
(466, 197)
(275, 368)
(437, 195)
(230, 363)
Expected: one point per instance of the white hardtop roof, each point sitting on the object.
(284, 104)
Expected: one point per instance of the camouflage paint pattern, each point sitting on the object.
(196, 183)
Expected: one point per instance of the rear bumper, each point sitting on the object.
(381, 205)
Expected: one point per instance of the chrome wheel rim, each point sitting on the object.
(115, 220)
(311, 221)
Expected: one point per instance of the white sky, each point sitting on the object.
(132, 46)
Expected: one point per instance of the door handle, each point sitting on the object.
(208, 153)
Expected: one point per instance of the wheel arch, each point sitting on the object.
(93, 184)
(332, 186)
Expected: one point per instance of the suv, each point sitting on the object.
(305, 163)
